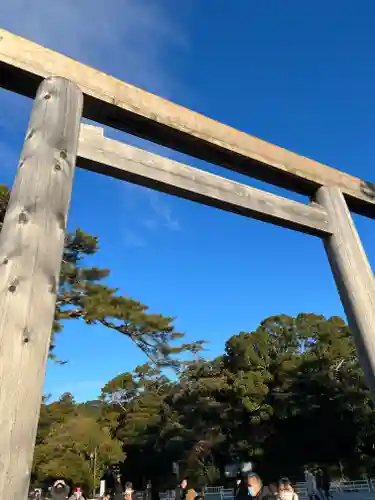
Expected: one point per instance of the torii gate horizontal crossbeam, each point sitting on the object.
(116, 159)
(24, 64)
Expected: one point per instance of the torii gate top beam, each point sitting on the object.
(23, 65)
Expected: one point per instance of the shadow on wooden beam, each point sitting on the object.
(119, 160)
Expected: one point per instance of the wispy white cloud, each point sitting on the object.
(163, 212)
(130, 39)
(148, 214)
(133, 239)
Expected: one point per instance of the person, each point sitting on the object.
(319, 483)
(60, 490)
(148, 490)
(310, 482)
(252, 488)
(128, 495)
(238, 482)
(183, 489)
(237, 485)
(191, 493)
(286, 490)
(118, 489)
(77, 495)
(323, 483)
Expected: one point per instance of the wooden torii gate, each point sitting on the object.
(32, 238)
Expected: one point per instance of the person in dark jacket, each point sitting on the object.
(252, 489)
(182, 491)
(119, 489)
(60, 490)
(323, 483)
(319, 482)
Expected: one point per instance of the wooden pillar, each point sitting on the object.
(31, 246)
(354, 277)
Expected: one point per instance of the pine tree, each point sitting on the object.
(83, 295)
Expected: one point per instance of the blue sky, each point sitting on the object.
(298, 74)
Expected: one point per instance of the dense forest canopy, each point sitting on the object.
(288, 394)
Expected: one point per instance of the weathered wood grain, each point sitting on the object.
(354, 278)
(31, 246)
(120, 105)
(125, 162)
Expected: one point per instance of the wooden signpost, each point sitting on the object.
(32, 238)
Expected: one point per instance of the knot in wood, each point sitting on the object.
(13, 286)
(53, 285)
(60, 217)
(25, 335)
(23, 217)
(30, 134)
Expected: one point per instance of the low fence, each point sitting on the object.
(167, 495)
(359, 489)
(362, 489)
(219, 492)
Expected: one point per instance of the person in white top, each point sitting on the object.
(286, 490)
(129, 492)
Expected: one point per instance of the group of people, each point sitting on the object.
(318, 484)
(61, 491)
(252, 488)
(186, 492)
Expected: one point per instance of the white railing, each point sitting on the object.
(364, 488)
(213, 490)
(224, 493)
(301, 491)
(357, 486)
(227, 493)
(361, 485)
(168, 495)
(340, 487)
